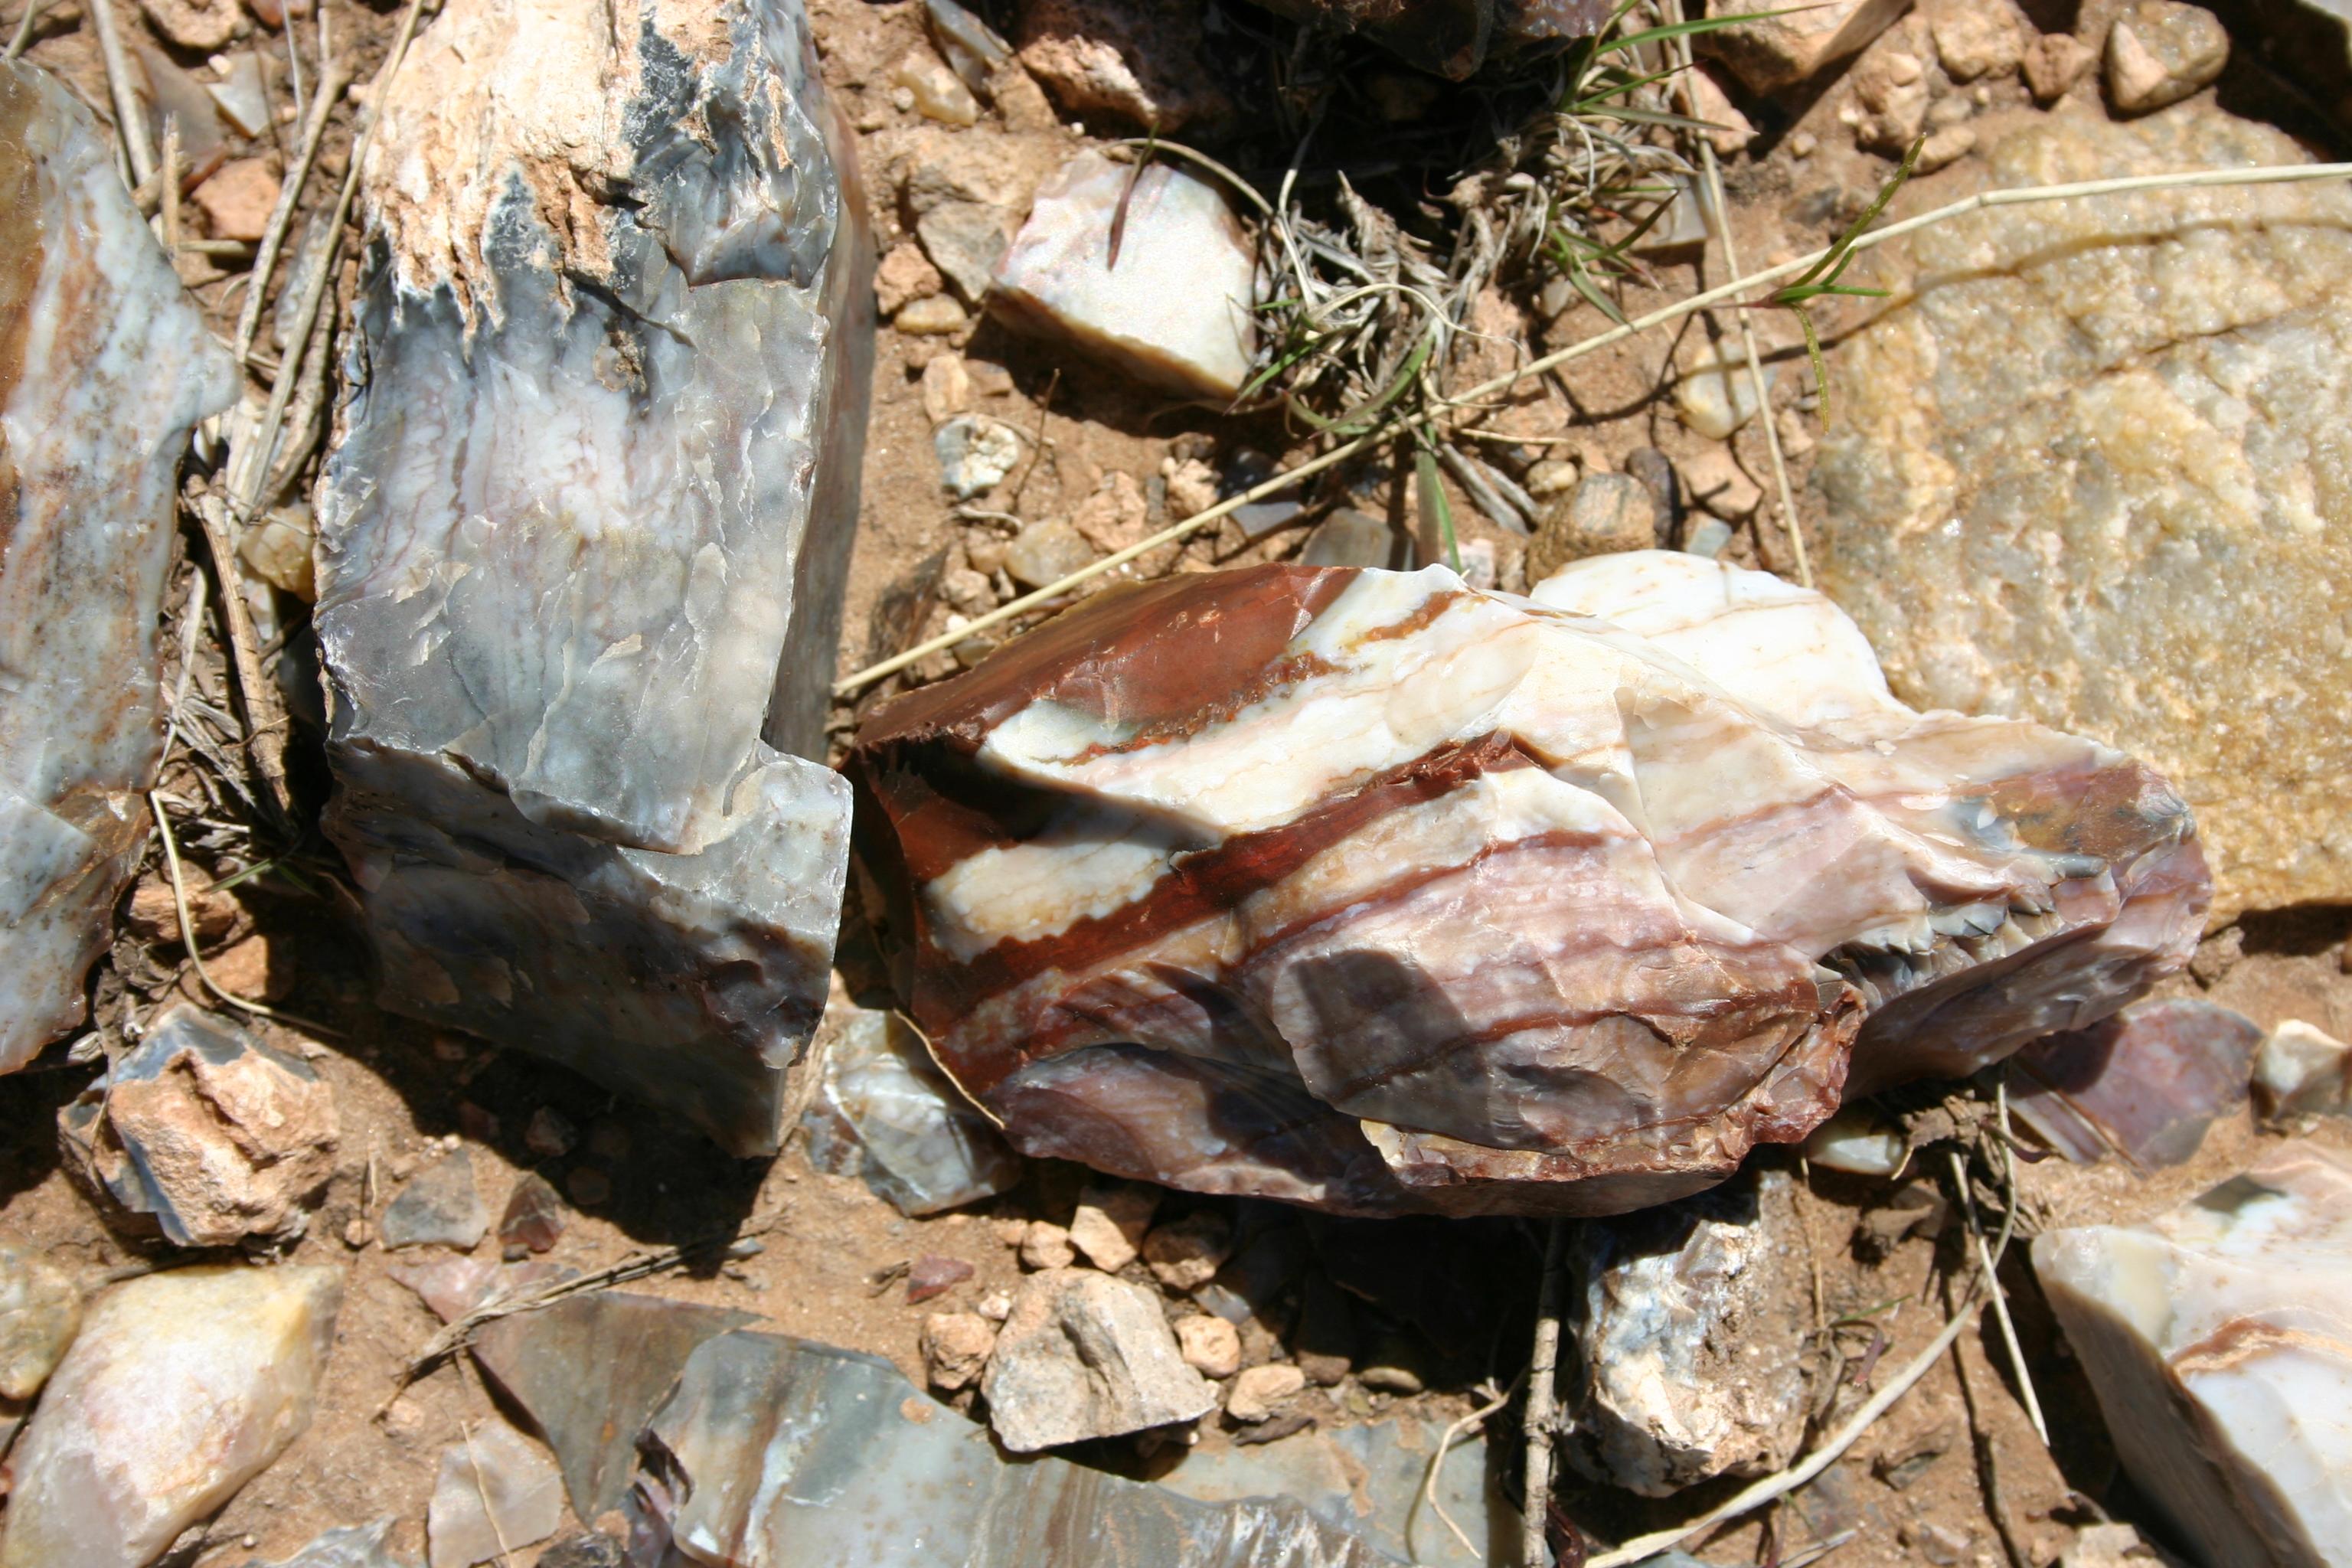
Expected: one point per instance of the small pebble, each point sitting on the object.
(1256, 1393)
(588, 1185)
(1211, 1346)
(1046, 1245)
(935, 1275)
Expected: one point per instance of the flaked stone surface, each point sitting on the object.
(40, 1309)
(2144, 1084)
(884, 1110)
(1690, 1326)
(2128, 512)
(1366, 891)
(494, 1493)
(441, 1207)
(2216, 1338)
(583, 538)
(104, 366)
(182, 1386)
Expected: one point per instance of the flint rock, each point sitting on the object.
(534, 1215)
(1198, 885)
(1690, 1327)
(347, 1546)
(1085, 1356)
(583, 538)
(441, 1207)
(2125, 506)
(1794, 43)
(1175, 311)
(1859, 1141)
(182, 1386)
(40, 1309)
(495, 1492)
(776, 1451)
(105, 365)
(2145, 1083)
(883, 1107)
(2215, 1338)
(205, 1134)
(2302, 1071)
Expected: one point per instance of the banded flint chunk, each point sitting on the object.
(1365, 890)
(583, 540)
(104, 367)
(2216, 1339)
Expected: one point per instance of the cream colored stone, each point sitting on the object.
(1784, 48)
(2161, 51)
(2127, 511)
(1258, 1393)
(1211, 1346)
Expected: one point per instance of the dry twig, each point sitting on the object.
(1999, 1297)
(1496, 1400)
(130, 119)
(289, 195)
(1542, 1402)
(188, 929)
(24, 35)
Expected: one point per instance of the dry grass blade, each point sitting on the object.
(1542, 1372)
(130, 119)
(188, 929)
(1496, 1400)
(263, 726)
(289, 193)
(2284, 174)
(23, 34)
(1999, 1299)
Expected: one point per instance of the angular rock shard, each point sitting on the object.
(776, 1452)
(1366, 890)
(105, 365)
(183, 1386)
(349, 1546)
(883, 1107)
(583, 538)
(494, 1493)
(1085, 1356)
(2145, 1084)
(205, 1133)
(2216, 1339)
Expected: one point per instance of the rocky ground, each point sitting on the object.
(2198, 391)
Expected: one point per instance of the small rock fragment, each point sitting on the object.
(496, 1493)
(975, 454)
(1260, 1391)
(933, 316)
(1046, 551)
(1716, 397)
(1134, 59)
(278, 548)
(353, 1546)
(1916, 1208)
(1692, 1319)
(1210, 1345)
(939, 94)
(1085, 1356)
(1114, 516)
(972, 48)
(2111, 1545)
(2161, 51)
(885, 1110)
(549, 1133)
(584, 1548)
(1945, 147)
(947, 387)
(1729, 131)
(534, 1215)
(1859, 1141)
(1891, 100)
(439, 1206)
(204, 1132)
(2054, 63)
(39, 1310)
(2302, 1071)
(243, 95)
(2145, 1083)
(1174, 313)
(1186, 1253)
(904, 275)
(1791, 44)
(1352, 537)
(182, 1386)
(1111, 1222)
(589, 1187)
(1716, 483)
(1603, 514)
(935, 1275)
(239, 199)
(1388, 1370)
(202, 25)
(956, 1346)
(1977, 38)
(1046, 1245)
(2215, 1338)
(449, 1285)
(1705, 536)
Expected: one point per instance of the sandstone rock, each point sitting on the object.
(1210, 1345)
(1690, 1327)
(955, 1348)
(1046, 1245)
(776, 1452)
(1187, 1253)
(1977, 38)
(635, 1345)
(2054, 63)
(1890, 104)
(439, 1207)
(1174, 311)
(238, 198)
(205, 1134)
(934, 316)
(1197, 885)
(1786, 47)
(1116, 515)
(182, 1386)
(1260, 1391)
(1111, 1222)
(495, 1493)
(1715, 482)
(582, 549)
(2161, 51)
(946, 388)
(2145, 1083)
(905, 274)
(40, 1309)
(2215, 1338)
(883, 1108)
(1137, 59)
(2124, 508)
(1729, 131)
(1085, 1356)
(105, 365)
(1603, 514)
(2302, 1071)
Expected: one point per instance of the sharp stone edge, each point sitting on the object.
(105, 366)
(583, 536)
(1368, 891)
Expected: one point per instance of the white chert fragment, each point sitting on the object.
(1858, 1141)
(183, 1386)
(884, 1109)
(104, 367)
(2301, 1070)
(1690, 1327)
(1174, 310)
(495, 1493)
(2216, 1339)
(583, 536)
(347, 1546)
